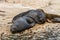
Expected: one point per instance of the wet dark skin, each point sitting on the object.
(28, 19)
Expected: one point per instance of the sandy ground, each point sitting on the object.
(49, 6)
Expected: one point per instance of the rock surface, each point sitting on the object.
(47, 31)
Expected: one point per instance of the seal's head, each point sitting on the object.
(21, 24)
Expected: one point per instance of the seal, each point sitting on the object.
(27, 20)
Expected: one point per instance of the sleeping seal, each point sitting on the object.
(28, 19)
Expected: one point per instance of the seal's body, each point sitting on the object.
(27, 20)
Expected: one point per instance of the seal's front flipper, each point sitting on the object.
(56, 20)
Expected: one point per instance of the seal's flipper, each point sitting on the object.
(30, 21)
(56, 20)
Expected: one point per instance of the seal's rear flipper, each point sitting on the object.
(56, 20)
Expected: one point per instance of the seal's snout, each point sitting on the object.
(13, 29)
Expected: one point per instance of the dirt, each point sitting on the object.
(46, 31)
